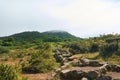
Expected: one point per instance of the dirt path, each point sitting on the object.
(36, 76)
(114, 74)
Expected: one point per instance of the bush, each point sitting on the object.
(8, 72)
(108, 49)
(76, 48)
(94, 47)
(8, 41)
(41, 62)
(118, 52)
(4, 50)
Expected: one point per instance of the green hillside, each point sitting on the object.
(49, 36)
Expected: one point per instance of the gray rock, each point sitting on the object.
(117, 68)
(87, 62)
(70, 58)
(105, 78)
(57, 52)
(92, 74)
(103, 69)
(76, 63)
(84, 78)
(58, 70)
(72, 74)
(66, 55)
(102, 63)
(58, 58)
(94, 63)
(65, 65)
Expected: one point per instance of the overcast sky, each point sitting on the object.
(82, 18)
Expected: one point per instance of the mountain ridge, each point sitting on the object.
(47, 36)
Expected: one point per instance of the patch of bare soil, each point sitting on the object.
(114, 75)
(36, 76)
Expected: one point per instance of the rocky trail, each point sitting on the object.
(83, 69)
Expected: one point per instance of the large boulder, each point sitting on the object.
(87, 62)
(66, 55)
(57, 52)
(62, 56)
(103, 69)
(92, 74)
(102, 63)
(94, 63)
(59, 58)
(71, 58)
(104, 78)
(65, 65)
(115, 68)
(76, 63)
(84, 78)
(72, 74)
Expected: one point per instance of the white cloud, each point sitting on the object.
(96, 16)
(80, 17)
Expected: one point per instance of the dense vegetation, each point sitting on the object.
(34, 50)
(8, 72)
(108, 49)
(41, 61)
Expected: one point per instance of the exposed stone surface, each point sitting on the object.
(84, 78)
(82, 70)
(96, 74)
(87, 62)
(115, 68)
(104, 78)
(72, 74)
(71, 58)
(92, 74)
(62, 56)
(76, 63)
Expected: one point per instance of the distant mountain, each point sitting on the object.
(58, 33)
(48, 36)
(26, 35)
(55, 31)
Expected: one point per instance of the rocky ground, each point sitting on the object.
(83, 69)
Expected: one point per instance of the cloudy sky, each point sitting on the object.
(82, 18)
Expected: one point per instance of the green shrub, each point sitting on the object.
(94, 47)
(8, 72)
(41, 62)
(118, 52)
(21, 55)
(9, 41)
(4, 50)
(79, 47)
(108, 49)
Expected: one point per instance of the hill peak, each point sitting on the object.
(56, 31)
